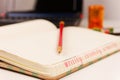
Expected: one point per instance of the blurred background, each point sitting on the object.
(111, 7)
(111, 12)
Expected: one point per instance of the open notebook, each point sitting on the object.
(31, 48)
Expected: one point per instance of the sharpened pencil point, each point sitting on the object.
(59, 49)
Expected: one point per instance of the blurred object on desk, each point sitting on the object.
(52, 10)
(115, 24)
(95, 17)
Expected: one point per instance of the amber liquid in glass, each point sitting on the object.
(95, 18)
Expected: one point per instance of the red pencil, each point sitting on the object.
(61, 26)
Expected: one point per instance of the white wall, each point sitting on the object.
(16, 5)
(28, 5)
(112, 8)
(2, 5)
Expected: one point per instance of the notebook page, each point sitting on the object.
(41, 48)
(27, 27)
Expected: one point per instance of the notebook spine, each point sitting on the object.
(78, 62)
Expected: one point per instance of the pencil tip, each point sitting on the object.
(59, 52)
(59, 49)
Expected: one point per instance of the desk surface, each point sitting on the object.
(106, 69)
